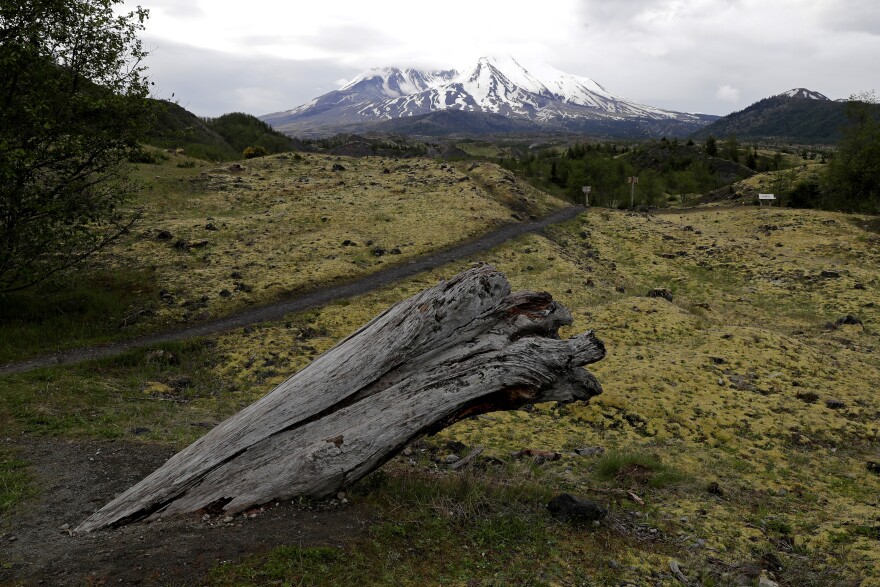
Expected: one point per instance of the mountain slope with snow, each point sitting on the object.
(798, 115)
(552, 99)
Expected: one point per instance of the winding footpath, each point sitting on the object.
(305, 301)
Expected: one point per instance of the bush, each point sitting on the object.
(75, 105)
(805, 194)
(147, 156)
(253, 152)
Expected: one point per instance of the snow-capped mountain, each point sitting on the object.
(803, 93)
(540, 94)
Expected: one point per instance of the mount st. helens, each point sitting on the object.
(500, 91)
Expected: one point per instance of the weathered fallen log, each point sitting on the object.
(462, 348)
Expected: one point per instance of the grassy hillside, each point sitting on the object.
(214, 139)
(742, 412)
(215, 239)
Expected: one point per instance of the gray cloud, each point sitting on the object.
(210, 83)
(853, 15)
(341, 39)
(179, 9)
(667, 53)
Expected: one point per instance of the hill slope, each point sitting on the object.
(798, 115)
(216, 139)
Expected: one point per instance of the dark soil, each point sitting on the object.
(308, 300)
(78, 477)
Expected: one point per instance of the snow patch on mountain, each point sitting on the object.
(503, 86)
(803, 93)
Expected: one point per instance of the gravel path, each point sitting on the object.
(305, 301)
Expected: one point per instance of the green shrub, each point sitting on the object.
(253, 152)
(636, 469)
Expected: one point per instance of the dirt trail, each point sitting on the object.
(77, 477)
(312, 299)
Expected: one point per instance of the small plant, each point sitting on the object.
(636, 469)
(14, 482)
(253, 152)
(147, 156)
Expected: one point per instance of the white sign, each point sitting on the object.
(766, 197)
(586, 189)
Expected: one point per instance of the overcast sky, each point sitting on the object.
(711, 56)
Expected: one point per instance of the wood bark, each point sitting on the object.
(462, 348)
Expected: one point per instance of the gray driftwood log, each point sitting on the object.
(464, 347)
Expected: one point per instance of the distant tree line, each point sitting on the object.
(666, 170)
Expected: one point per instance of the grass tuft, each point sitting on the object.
(632, 468)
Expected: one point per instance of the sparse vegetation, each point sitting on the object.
(740, 411)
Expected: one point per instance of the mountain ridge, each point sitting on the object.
(554, 100)
(797, 115)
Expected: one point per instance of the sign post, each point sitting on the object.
(586, 189)
(632, 181)
(768, 197)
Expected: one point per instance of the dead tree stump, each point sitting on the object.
(464, 347)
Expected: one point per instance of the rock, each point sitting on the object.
(714, 488)
(449, 459)
(225, 293)
(828, 274)
(620, 289)
(235, 275)
(660, 292)
(198, 244)
(386, 171)
(164, 235)
(566, 507)
(166, 296)
(243, 287)
(64, 529)
(181, 244)
(395, 251)
(338, 167)
(764, 581)
(589, 451)
(139, 430)
(211, 226)
(834, 404)
(859, 286)
(850, 320)
(873, 467)
(228, 519)
(348, 243)
(378, 251)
